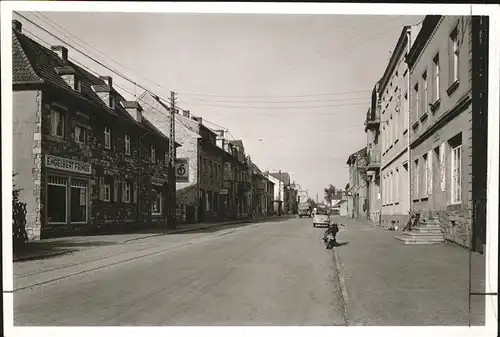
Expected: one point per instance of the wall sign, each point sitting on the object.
(65, 164)
(182, 170)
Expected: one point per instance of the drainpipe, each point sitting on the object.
(408, 47)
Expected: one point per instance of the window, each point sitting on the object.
(126, 194)
(80, 134)
(127, 145)
(107, 137)
(57, 123)
(429, 169)
(436, 78)
(396, 187)
(417, 103)
(425, 167)
(425, 102)
(407, 110)
(111, 101)
(454, 53)
(442, 166)
(107, 192)
(456, 174)
(391, 186)
(156, 204)
(153, 154)
(57, 206)
(417, 180)
(166, 159)
(78, 201)
(78, 84)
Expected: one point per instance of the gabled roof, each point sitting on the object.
(34, 63)
(352, 158)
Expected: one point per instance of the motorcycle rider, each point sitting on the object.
(332, 229)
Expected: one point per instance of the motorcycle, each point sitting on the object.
(330, 241)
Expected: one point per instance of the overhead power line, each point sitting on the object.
(280, 107)
(277, 102)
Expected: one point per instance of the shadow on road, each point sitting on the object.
(42, 249)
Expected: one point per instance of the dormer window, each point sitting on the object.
(111, 102)
(78, 84)
(69, 76)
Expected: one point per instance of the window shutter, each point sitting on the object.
(115, 189)
(429, 173)
(101, 188)
(442, 159)
(135, 193)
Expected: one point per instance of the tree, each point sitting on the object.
(331, 192)
(312, 203)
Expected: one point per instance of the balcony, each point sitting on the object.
(373, 160)
(372, 119)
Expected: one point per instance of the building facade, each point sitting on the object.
(85, 158)
(441, 128)
(373, 159)
(393, 95)
(358, 191)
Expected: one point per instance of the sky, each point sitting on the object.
(294, 88)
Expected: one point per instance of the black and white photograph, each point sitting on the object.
(250, 165)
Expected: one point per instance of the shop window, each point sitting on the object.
(156, 203)
(57, 206)
(80, 134)
(57, 119)
(127, 145)
(78, 201)
(107, 137)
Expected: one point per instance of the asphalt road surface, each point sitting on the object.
(276, 273)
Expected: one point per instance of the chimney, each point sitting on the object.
(17, 26)
(61, 51)
(186, 113)
(108, 80)
(134, 109)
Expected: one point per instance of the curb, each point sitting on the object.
(343, 287)
(43, 256)
(187, 230)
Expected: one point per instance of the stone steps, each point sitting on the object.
(422, 238)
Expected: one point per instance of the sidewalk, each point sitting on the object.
(389, 283)
(47, 248)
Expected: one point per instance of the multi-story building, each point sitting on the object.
(283, 194)
(373, 158)
(237, 185)
(358, 197)
(277, 200)
(441, 136)
(259, 189)
(85, 158)
(269, 195)
(394, 111)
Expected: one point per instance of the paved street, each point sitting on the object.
(273, 273)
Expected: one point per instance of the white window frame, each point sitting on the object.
(423, 171)
(126, 192)
(437, 75)
(416, 89)
(153, 153)
(161, 204)
(84, 129)
(112, 101)
(58, 181)
(57, 117)
(455, 51)
(107, 192)
(456, 178)
(417, 179)
(442, 165)
(127, 145)
(426, 92)
(430, 171)
(107, 137)
(396, 187)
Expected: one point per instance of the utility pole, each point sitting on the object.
(280, 204)
(172, 156)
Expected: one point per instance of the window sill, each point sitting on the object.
(396, 141)
(414, 125)
(434, 106)
(405, 132)
(453, 87)
(424, 116)
(416, 199)
(397, 203)
(454, 206)
(424, 198)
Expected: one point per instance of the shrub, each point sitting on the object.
(19, 235)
